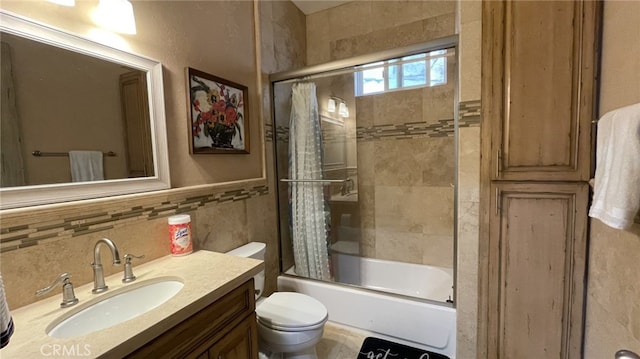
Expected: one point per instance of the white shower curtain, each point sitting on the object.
(308, 218)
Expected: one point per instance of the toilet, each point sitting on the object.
(289, 324)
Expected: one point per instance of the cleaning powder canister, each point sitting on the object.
(180, 234)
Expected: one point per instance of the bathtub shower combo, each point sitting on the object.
(366, 161)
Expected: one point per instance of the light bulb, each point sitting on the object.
(331, 105)
(342, 109)
(116, 15)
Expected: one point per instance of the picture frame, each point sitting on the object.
(218, 114)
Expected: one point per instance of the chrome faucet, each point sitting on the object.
(347, 187)
(68, 296)
(128, 271)
(98, 274)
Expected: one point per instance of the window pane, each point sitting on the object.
(438, 74)
(414, 74)
(414, 57)
(373, 80)
(393, 77)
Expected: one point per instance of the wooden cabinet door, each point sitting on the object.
(538, 67)
(240, 343)
(537, 270)
(135, 111)
(219, 325)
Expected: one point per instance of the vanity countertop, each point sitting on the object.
(207, 276)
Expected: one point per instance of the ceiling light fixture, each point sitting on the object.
(116, 15)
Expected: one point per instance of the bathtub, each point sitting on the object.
(416, 322)
(414, 280)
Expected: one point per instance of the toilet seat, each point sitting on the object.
(291, 312)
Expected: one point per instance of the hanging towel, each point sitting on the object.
(616, 197)
(86, 166)
(6, 323)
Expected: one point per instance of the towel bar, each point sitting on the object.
(37, 153)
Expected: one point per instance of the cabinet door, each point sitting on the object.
(538, 66)
(537, 270)
(240, 343)
(135, 111)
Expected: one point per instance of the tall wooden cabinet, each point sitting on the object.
(538, 87)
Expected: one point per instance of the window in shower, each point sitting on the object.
(424, 69)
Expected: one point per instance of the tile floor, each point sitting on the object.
(340, 341)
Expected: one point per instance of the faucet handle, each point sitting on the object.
(68, 295)
(128, 268)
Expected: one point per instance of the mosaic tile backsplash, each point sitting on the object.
(12, 238)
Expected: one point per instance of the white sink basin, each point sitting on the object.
(115, 307)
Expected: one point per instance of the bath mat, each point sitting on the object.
(376, 348)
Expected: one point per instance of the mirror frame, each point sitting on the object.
(23, 196)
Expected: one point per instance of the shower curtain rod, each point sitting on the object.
(294, 75)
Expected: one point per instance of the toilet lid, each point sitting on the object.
(289, 311)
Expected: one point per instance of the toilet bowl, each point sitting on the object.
(289, 324)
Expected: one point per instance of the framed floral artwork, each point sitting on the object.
(219, 114)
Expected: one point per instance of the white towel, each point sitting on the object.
(616, 197)
(86, 166)
(6, 323)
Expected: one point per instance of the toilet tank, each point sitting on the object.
(253, 250)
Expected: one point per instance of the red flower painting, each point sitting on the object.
(218, 114)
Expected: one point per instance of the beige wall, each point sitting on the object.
(212, 36)
(613, 294)
(181, 34)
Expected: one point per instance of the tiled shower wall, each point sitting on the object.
(406, 149)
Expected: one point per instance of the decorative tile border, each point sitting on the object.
(469, 116)
(282, 134)
(12, 238)
(443, 128)
(268, 132)
(469, 113)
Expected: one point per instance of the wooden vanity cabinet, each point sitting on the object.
(226, 329)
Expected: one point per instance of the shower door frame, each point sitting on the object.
(347, 65)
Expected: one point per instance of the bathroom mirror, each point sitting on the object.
(62, 93)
